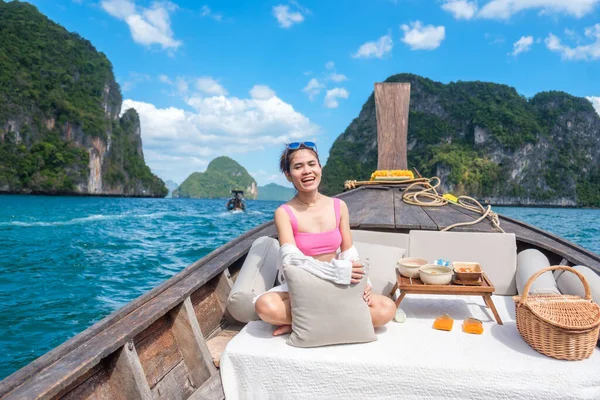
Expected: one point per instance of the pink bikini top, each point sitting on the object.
(312, 244)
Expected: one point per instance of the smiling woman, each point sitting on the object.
(310, 235)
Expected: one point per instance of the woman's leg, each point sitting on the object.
(382, 309)
(274, 308)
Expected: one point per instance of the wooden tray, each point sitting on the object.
(457, 281)
(415, 285)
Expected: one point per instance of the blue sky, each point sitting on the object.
(241, 78)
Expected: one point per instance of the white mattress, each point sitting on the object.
(409, 361)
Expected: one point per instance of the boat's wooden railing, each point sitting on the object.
(154, 347)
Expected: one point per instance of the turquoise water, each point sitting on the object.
(67, 262)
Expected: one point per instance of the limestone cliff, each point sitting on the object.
(487, 141)
(60, 130)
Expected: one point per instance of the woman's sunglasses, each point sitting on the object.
(297, 145)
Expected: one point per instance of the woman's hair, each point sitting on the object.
(287, 154)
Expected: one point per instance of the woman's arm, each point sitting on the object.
(345, 227)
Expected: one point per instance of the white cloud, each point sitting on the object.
(334, 94)
(461, 9)
(148, 26)
(590, 51)
(208, 85)
(261, 92)
(494, 39)
(337, 77)
(504, 9)
(205, 11)
(330, 65)
(376, 49)
(287, 17)
(419, 37)
(178, 142)
(522, 45)
(313, 88)
(165, 79)
(595, 100)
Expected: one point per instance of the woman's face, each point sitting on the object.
(305, 171)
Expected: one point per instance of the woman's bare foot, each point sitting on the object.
(282, 330)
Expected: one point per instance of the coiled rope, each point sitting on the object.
(426, 195)
(427, 190)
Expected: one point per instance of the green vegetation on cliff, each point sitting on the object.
(221, 176)
(476, 137)
(59, 105)
(45, 67)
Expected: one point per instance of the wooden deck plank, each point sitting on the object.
(447, 215)
(211, 390)
(407, 216)
(216, 345)
(378, 210)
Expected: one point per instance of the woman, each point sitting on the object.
(311, 227)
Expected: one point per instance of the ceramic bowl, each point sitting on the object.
(432, 274)
(409, 267)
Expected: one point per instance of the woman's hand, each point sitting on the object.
(357, 272)
(367, 294)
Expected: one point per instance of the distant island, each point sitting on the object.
(222, 175)
(61, 129)
(275, 192)
(171, 186)
(486, 141)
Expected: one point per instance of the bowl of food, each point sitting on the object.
(432, 274)
(409, 267)
(467, 271)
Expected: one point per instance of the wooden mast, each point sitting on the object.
(391, 104)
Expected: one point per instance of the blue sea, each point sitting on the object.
(67, 262)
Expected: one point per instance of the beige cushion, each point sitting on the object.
(529, 262)
(496, 252)
(324, 313)
(569, 283)
(257, 275)
(382, 264)
(392, 239)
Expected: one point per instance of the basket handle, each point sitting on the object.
(588, 294)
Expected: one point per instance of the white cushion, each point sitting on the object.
(496, 252)
(382, 264)
(409, 361)
(257, 275)
(529, 262)
(569, 283)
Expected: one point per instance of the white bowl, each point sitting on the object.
(409, 267)
(432, 274)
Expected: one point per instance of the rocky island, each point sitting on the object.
(61, 128)
(486, 141)
(221, 177)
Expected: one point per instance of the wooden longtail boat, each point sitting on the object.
(158, 346)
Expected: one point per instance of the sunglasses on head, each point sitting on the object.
(297, 145)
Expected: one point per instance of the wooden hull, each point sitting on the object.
(155, 346)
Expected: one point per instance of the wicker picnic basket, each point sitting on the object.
(560, 326)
